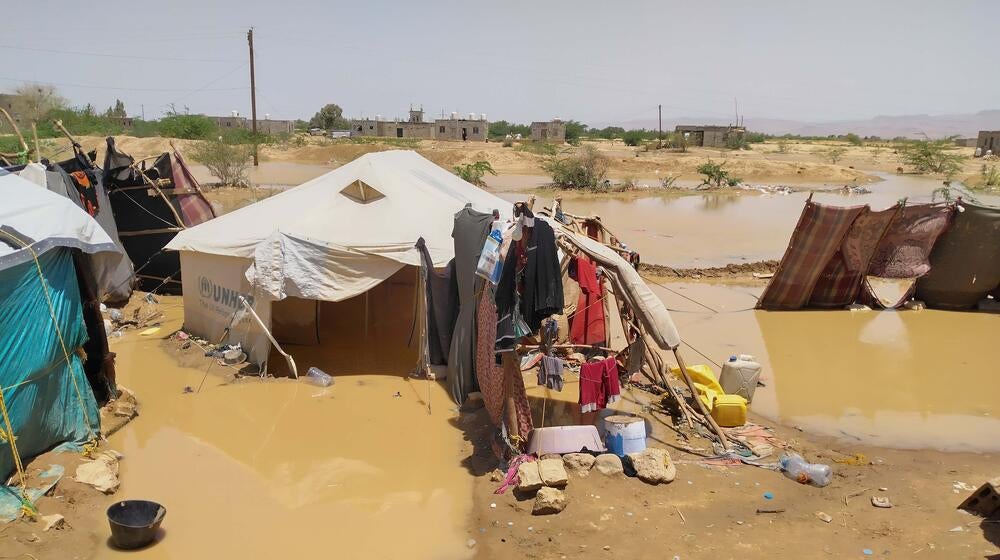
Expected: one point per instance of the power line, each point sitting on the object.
(112, 88)
(110, 55)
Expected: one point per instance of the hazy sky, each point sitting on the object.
(594, 61)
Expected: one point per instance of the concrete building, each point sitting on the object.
(989, 140)
(232, 121)
(266, 125)
(273, 126)
(710, 136)
(473, 128)
(548, 131)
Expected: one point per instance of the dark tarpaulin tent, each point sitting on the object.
(151, 204)
(835, 253)
(965, 263)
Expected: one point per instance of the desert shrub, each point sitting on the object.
(716, 175)
(783, 146)
(668, 181)
(737, 142)
(853, 139)
(474, 172)
(835, 154)
(678, 141)
(587, 169)
(989, 176)
(540, 148)
(229, 163)
(932, 156)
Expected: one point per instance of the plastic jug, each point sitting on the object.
(800, 470)
(490, 266)
(739, 376)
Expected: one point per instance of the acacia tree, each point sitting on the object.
(330, 117)
(34, 102)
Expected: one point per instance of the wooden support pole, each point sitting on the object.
(38, 149)
(701, 405)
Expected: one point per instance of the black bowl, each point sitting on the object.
(134, 522)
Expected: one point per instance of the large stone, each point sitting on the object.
(578, 463)
(653, 465)
(608, 464)
(528, 478)
(548, 501)
(553, 473)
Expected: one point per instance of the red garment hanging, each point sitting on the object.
(587, 323)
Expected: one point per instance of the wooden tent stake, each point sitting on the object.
(701, 405)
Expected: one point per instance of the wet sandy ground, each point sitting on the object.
(283, 469)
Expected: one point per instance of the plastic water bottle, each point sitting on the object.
(319, 377)
(800, 470)
(489, 261)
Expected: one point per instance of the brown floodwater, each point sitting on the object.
(905, 379)
(715, 229)
(284, 469)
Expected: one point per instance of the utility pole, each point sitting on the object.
(659, 137)
(142, 107)
(253, 101)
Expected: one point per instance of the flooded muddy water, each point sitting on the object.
(905, 379)
(284, 469)
(714, 229)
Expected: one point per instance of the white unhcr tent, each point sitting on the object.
(329, 265)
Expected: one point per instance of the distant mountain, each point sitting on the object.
(909, 126)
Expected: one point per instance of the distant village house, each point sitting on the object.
(548, 131)
(710, 136)
(266, 125)
(475, 127)
(988, 141)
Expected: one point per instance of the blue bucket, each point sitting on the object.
(624, 434)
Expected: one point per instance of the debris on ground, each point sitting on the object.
(101, 472)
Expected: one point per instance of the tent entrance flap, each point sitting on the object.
(388, 345)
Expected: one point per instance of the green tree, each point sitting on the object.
(933, 156)
(330, 117)
(716, 175)
(229, 163)
(192, 127)
(34, 102)
(474, 172)
(116, 110)
(853, 139)
(633, 137)
(574, 130)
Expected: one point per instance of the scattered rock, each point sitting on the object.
(550, 456)
(881, 502)
(607, 547)
(124, 409)
(471, 543)
(553, 473)
(825, 518)
(548, 501)
(54, 521)
(608, 464)
(496, 476)
(528, 478)
(579, 463)
(654, 466)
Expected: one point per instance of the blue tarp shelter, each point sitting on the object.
(47, 399)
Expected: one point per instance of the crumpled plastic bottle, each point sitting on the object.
(804, 472)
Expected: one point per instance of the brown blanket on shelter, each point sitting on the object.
(815, 240)
(839, 283)
(904, 251)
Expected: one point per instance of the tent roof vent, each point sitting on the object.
(361, 192)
